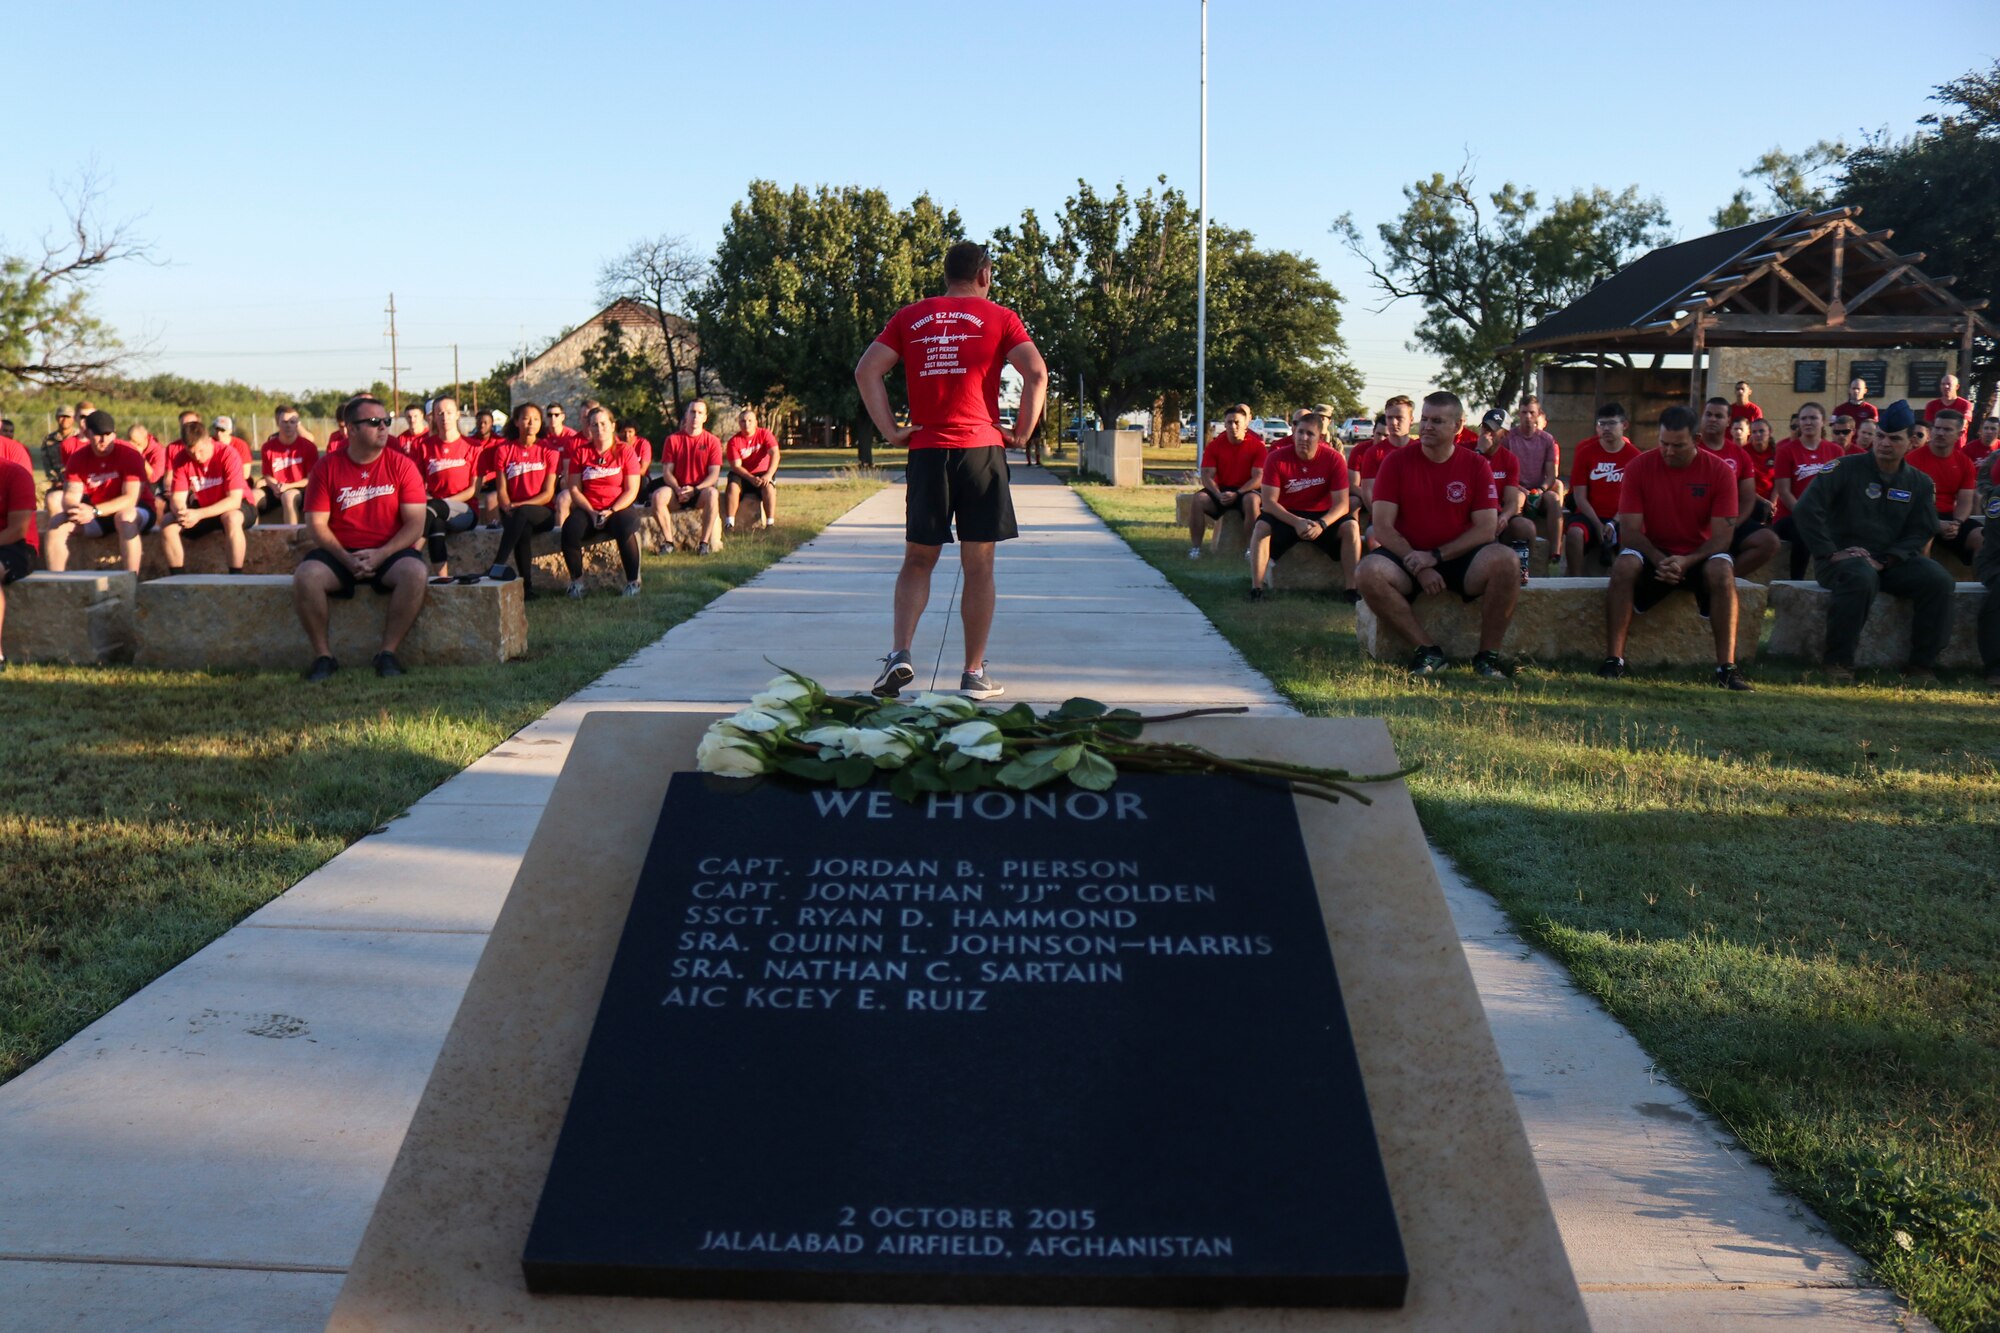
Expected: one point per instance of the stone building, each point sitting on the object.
(557, 374)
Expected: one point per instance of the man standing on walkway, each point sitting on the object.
(1436, 513)
(1867, 521)
(952, 348)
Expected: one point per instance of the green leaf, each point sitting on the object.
(813, 770)
(1128, 727)
(1094, 773)
(956, 761)
(903, 785)
(971, 778)
(1067, 758)
(1043, 757)
(1018, 718)
(926, 776)
(1023, 775)
(1080, 708)
(853, 771)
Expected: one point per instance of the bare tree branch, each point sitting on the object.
(48, 335)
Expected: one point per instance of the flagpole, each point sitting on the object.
(1201, 267)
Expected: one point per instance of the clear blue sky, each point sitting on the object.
(294, 164)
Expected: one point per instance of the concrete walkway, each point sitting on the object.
(206, 1156)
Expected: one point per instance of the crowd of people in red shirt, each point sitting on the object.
(377, 493)
(1712, 499)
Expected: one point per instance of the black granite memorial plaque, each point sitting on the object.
(1043, 1048)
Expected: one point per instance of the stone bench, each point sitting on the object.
(1798, 626)
(246, 621)
(1560, 619)
(1780, 566)
(78, 618)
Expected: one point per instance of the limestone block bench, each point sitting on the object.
(473, 552)
(246, 621)
(1559, 619)
(268, 549)
(77, 618)
(1798, 626)
(1230, 535)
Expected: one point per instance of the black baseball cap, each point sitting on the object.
(100, 423)
(1494, 420)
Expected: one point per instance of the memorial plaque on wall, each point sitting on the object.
(1043, 1048)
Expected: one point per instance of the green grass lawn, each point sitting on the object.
(1792, 897)
(142, 813)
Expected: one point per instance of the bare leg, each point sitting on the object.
(289, 505)
(406, 598)
(1758, 549)
(711, 518)
(128, 541)
(1350, 550)
(662, 515)
(1572, 549)
(767, 500)
(170, 543)
(1721, 576)
(1260, 554)
(976, 599)
(1385, 586)
(913, 591)
(1618, 603)
(1495, 579)
(732, 500)
(55, 546)
(310, 585)
(1197, 521)
(239, 546)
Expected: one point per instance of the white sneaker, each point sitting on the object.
(1194, 553)
(728, 522)
(632, 588)
(576, 590)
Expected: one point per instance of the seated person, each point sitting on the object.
(603, 479)
(288, 461)
(365, 512)
(1955, 478)
(20, 515)
(1305, 500)
(1676, 511)
(205, 497)
(104, 492)
(450, 465)
(1867, 522)
(1542, 485)
(752, 463)
(1516, 528)
(525, 473)
(1988, 442)
(1751, 542)
(1231, 478)
(1594, 479)
(1986, 569)
(1436, 511)
(691, 470)
(1397, 416)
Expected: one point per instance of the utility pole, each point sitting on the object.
(1201, 268)
(454, 374)
(395, 370)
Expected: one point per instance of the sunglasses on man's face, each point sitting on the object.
(379, 423)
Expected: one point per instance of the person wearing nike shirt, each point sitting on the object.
(104, 492)
(207, 497)
(1595, 476)
(1305, 499)
(1955, 476)
(1676, 509)
(1751, 541)
(365, 512)
(1800, 459)
(1436, 512)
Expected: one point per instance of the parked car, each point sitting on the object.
(1271, 428)
(1356, 429)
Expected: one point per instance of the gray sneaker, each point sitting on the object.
(979, 685)
(897, 673)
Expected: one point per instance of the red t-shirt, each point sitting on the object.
(1467, 437)
(337, 440)
(523, 469)
(952, 349)
(243, 453)
(1951, 474)
(1937, 405)
(13, 451)
(1740, 412)
(691, 456)
(449, 466)
(603, 474)
(1233, 462)
(159, 460)
(1370, 463)
(1735, 456)
(1800, 465)
(1975, 448)
(17, 492)
(286, 463)
(1678, 503)
(409, 442)
(1506, 468)
(1600, 474)
(1307, 485)
(363, 504)
(1761, 467)
(206, 483)
(752, 452)
(104, 477)
(1435, 502)
(1859, 411)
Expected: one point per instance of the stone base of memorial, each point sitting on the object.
(446, 1245)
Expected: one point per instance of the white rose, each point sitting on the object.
(979, 740)
(951, 705)
(877, 744)
(782, 692)
(835, 736)
(729, 756)
(759, 720)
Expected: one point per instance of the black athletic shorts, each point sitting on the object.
(1650, 590)
(17, 561)
(206, 527)
(647, 487)
(1453, 572)
(1744, 531)
(346, 576)
(1958, 545)
(108, 527)
(961, 488)
(1214, 508)
(1284, 536)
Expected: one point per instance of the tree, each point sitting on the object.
(626, 377)
(1274, 330)
(664, 274)
(803, 281)
(1487, 266)
(1938, 189)
(48, 335)
(1791, 181)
